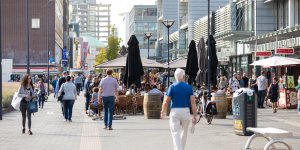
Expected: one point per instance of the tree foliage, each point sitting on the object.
(113, 45)
(101, 57)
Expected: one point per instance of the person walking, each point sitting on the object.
(181, 97)
(108, 92)
(69, 97)
(78, 82)
(245, 79)
(274, 94)
(262, 85)
(41, 92)
(61, 81)
(26, 91)
(87, 93)
(53, 83)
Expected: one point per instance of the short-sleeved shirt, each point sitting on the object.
(180, 94)
(109, 86)
(261, 83)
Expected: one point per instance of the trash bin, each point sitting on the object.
(244, 109)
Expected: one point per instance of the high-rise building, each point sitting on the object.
(143, 18)
(93, 19)
(42, 29)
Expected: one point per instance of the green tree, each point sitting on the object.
(101, 57)
(113, 45)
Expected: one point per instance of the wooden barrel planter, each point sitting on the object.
(221, 103)
(152, 106)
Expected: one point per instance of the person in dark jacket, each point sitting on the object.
(246, 80)
(87, 93)
(61, 81)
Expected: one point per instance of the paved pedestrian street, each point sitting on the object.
(50, 132)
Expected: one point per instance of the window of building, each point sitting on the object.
(282, 14)
(138, 12)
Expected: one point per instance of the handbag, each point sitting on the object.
(32, 106)
(61, 95)
(15, 103)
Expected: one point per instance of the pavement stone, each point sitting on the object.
(134, 133)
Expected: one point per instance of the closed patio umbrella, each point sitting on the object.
(134, 68)
(192, 63)
(213, 60)
(202, 63)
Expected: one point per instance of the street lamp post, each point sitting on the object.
(208, 51)
(0, 63)
(27, 30)
(48, 50)
(148, 35)
(168, 24)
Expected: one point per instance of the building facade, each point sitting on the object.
(143, 18)
(93, 19)
(42, 29)
(185, 13)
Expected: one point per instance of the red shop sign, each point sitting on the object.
(263, 54)
(285, 51)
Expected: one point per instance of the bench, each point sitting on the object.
(273, 135)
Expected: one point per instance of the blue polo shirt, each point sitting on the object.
(180, 94)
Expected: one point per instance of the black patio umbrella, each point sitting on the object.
(134, 67)
(191, 68)
(202, 63)
(213, 60)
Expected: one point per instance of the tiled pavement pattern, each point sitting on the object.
(135, 133)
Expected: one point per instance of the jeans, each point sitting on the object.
(261, 97)
(24, 111)
(108, 104)
(41, 100)
(179, 123)
(78, 88)
(68, 108)
(87, 101)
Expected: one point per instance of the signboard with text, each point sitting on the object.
(285, 51)
(263, 54)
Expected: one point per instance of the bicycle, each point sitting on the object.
(205, 111)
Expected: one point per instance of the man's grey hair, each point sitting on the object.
(179, 74)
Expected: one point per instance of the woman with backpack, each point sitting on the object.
(41, 92)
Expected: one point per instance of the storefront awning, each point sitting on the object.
(233, 35)
(273, 36)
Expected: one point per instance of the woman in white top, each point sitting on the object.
(69, 91)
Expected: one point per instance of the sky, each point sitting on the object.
(121, 6)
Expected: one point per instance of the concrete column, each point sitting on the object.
(291, 13)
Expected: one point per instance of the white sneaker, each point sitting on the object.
(66, 120)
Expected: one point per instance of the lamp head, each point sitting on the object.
(148, 34)
(168, 23)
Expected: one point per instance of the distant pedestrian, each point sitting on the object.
(274, 94)
(241, 81)
(61, 81)
(26, 91)
(262, 85)
(253, 85)
(246, 80)
(54, 82)
(181, 95)
(108, 92)
(94, 100)
(222, 83)
(41, 92)
(87, 93)
(69, 97)
(234, 83)
(78, 82)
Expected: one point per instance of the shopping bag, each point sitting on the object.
(15, 103)
(32, 106)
